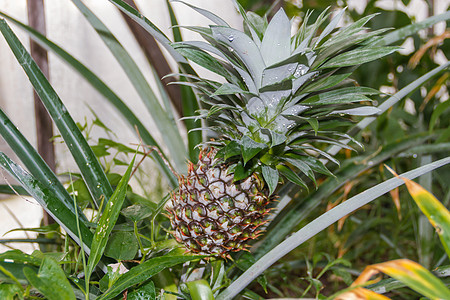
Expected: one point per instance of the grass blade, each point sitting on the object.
(320, 224)
(88, 164)
(108, 220)
(103, 89)
(168, 128)
(51, 203)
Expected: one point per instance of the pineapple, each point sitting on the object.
(284, 98)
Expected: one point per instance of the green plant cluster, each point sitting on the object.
(316, 242)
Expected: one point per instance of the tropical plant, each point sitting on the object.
(282, 103)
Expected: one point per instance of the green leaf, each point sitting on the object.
(108, 220)
(9, 291)
(51, 281)
(437, 112)
(240, 172)
(138, 212)
(18, 256)
(250, 148)
(341, 96)
(327, 81)
(144, 271)
(244, 48)
(144, 292)
(229, 89)
(358, 56)
(50, 202)
(12, 189)
(34, 162)
(271, 177)
(201, 58)
(390, 102)
(302, 166)
(402, 33)
(320, 224)
(299, 211)
(433, 209)
(103, 89)
(200, 290)
(231, 149)
(291, 176)
(163, 119)
(122, 245)
(359, 111)
(276, 42)
(316, 165)
(87, 162)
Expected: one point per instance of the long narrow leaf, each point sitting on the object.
(108, 220)
(388, 103)
(433, 209)
(166, 126)
(34, 162)
(190, 103)
(297, 212)
(88, 164)
(406, 271)
(52, 204)
(150, 27)
(143, 272)
(402, 33)
(102, 88)
(320, 224)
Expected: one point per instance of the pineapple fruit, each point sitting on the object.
(284, 98)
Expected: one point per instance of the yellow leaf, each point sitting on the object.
(411, 274)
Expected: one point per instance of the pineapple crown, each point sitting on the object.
(284, 95)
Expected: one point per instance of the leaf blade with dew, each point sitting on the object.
(108, 220)
(52, 204)
(162, 118)
(432, 208)
(51, 280)
(88, 164)
(34, 162)
(358, 56)
(320, 224)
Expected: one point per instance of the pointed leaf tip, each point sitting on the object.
(250, 148)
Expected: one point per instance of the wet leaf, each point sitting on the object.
(50, 281)
(144, 292)
(122, 246)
